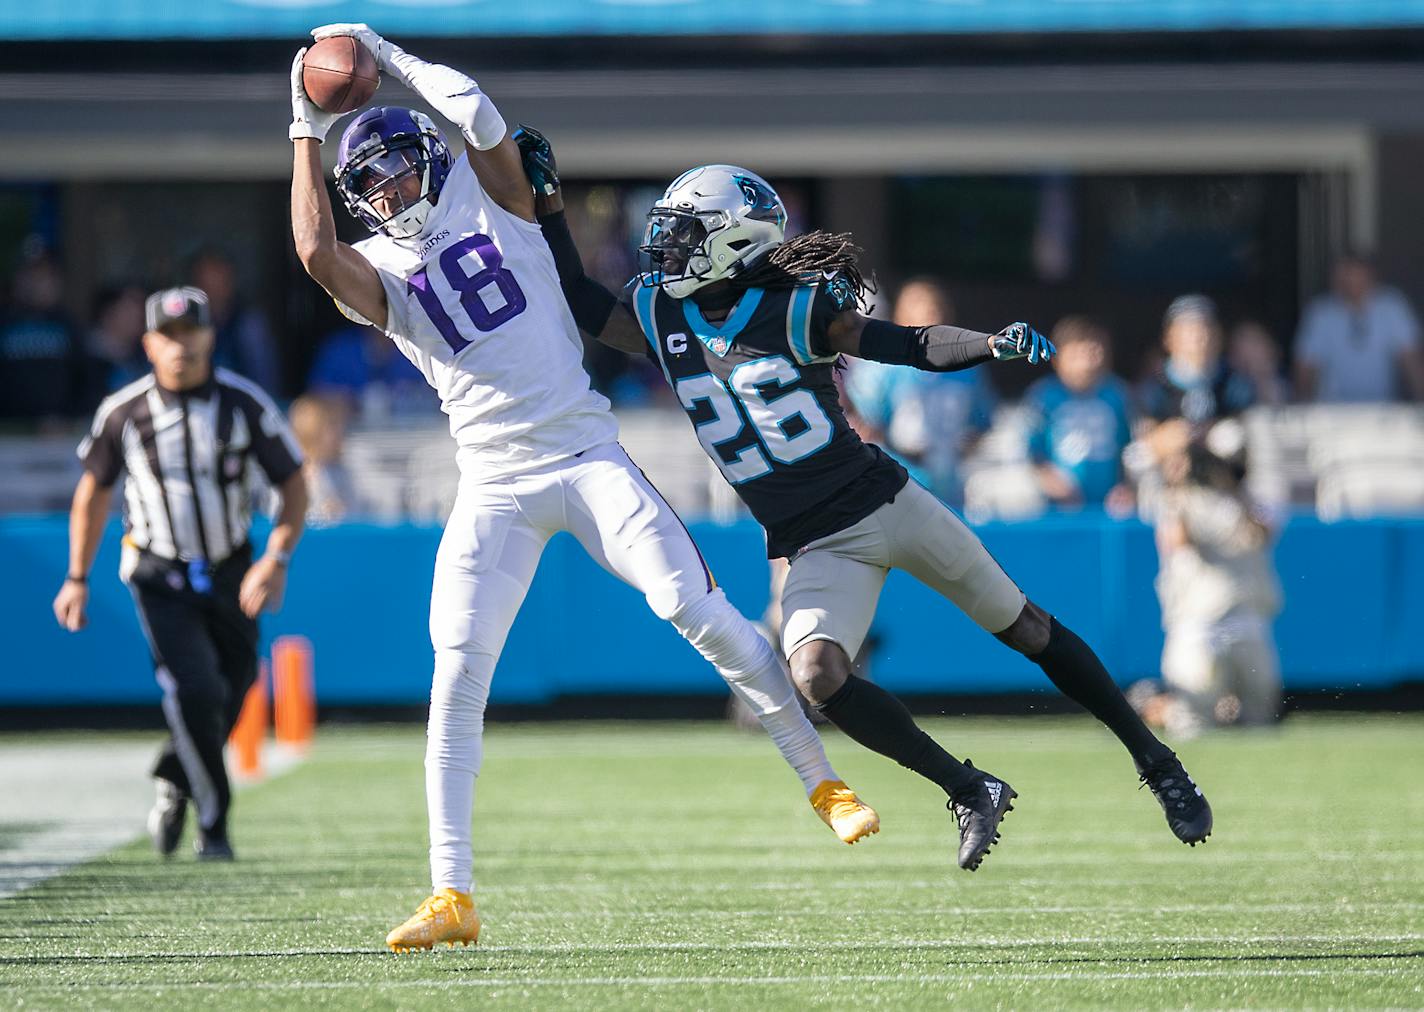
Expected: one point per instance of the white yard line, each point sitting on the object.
(66, 802)
(965, 977)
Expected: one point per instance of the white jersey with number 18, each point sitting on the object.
(475, 303)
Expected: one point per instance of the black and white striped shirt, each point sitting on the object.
(189, 457)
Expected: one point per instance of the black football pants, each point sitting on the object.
(205, 658)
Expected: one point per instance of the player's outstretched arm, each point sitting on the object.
(345, 274)
(595, 309)
(459, 99)
(939, 348)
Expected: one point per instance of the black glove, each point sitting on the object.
(537, 154)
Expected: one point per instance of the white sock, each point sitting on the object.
(744, 658)
(454, 749)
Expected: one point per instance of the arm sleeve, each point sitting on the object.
(934, 349)
(590, 303)
(453, 95)
(273, 442)
(101, 451)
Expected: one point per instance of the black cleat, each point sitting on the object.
(1181, 799)
(213, 848)
(166, 818)
(979, 812)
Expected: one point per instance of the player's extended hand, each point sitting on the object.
(537, 154)
(1019, 340)
(362, 33)
(71, 605)
(307, 118)
(262, 588)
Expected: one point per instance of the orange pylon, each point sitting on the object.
(293, 691)
(251, 728)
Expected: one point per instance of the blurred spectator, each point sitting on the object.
(363, 366)
(115, 341)
(1080, 421)
(929, 421)
(244, 341)
(1194, 386)
(319, 423)
(1219, 593)
(41, 361)
(1255, 355)
(1360, 342)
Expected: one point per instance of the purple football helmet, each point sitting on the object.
(382, 149)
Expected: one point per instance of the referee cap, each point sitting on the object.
(185, 305)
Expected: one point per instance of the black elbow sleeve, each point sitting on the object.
(934, 349)
(561, 244)
(590, 303)
(881, 341)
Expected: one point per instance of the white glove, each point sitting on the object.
(377, 46)
(307, 119)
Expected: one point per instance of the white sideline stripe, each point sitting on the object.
(911, 944)
(91, 799)
(977, 911)
(1019, 881)
(704, 981)
(972, 949)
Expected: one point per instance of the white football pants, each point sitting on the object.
(487, 558)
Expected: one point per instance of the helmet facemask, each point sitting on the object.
(394, 183)
(675, 248)
(711, 223)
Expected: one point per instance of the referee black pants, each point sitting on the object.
(205, 658)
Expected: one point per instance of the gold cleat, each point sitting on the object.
(846, 814)
(448, 916)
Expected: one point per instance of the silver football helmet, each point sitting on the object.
(708, 225)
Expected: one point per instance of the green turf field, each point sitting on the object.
(677, 866)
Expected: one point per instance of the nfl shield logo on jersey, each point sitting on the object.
(718, 346)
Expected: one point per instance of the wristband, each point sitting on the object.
(280, 558)
(81, 580)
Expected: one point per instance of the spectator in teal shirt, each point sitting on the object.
(928, 421)
(1080, 422)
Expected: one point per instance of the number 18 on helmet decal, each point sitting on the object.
(710, 223)
(389, 170)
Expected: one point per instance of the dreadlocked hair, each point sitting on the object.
(804, 260)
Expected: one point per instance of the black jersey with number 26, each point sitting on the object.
(760, 390)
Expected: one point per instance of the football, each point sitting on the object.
(339, 74)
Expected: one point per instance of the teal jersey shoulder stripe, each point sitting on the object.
(798, 324)
(643, 301)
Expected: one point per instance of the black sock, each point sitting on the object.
(880, 722)
(1073, 667)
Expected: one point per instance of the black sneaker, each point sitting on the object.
(166, 818)
(213, 848)
(1181, 799)
(979, 812)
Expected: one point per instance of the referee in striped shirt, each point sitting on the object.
(188, 437)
